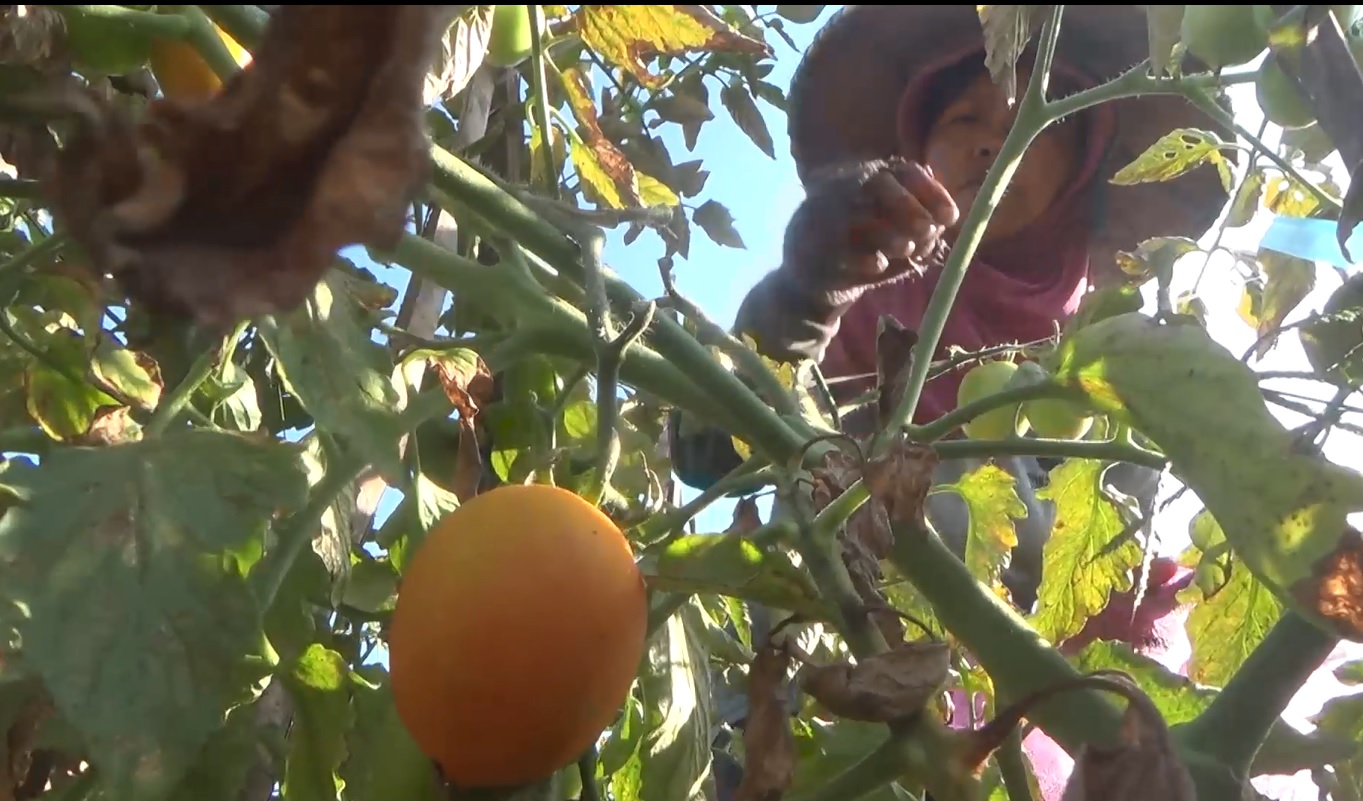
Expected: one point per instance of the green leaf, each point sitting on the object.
(674, 754)
(1108, 301)
(139, 620)
(718, 224)
(825, 749)
(372, 586)
(219, 773)
(318, 682)
(736, 566)
(1225, 628)
(231, 398)
(384, 763)
(63, 404)
(991, 499)
(1082, 567)
(745, 114)
(1154, 258)
(1343, 717)
(328, 361)
(1283, 510)
(1175, 153)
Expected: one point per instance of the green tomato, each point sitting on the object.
(982, 381)
(1279, 99)
(511, 41)
(1056, 418)
(1225, 36)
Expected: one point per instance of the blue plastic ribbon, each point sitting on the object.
(1313, 240)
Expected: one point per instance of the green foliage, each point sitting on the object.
(196, 589)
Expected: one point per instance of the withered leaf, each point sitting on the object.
(768, 743)
(235, 205)
(468, 383)
(1142, 767)
(747, 517)
(894, 357)
(628, 35)
(900, 479)
(881, 688)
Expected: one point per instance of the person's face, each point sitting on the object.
(962, 143)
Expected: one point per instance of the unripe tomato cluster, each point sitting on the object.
(1051, 418)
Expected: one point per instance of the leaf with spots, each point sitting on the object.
(1177, 152)
(1283, 509)
(1288, 197)
(992, 502)
(628, 35)
(130, 560)
(1082, 567)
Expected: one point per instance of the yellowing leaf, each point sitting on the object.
(990, 495)
(1287, 197)
(1290, 280)
(1177, 152)
(1226, 627)
(1246, 201)
(1283, 509)
(625, 35)
(653, 192)
(1082, 567)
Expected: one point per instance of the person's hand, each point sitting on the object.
(867, 224)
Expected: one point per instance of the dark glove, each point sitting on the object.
(864, 225)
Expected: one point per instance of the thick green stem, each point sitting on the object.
(1234, 726)
(1018, 660)
(211, 47)
(1052, 448)
(166, 26)
(246, 24)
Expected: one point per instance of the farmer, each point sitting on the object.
(893, 123)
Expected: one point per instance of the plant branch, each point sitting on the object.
(609, 355)
(1031, 119)
(751, 475)
(1233, 727)
(1061, 448)
(150, 23)
(169, 411)
(211, 47)
(1018, 660)
(539, 75)
(246, 24)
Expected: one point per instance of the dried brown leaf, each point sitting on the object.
(468, 461)
(900, 479)
(882, 688)
(467, 382)
(112, 425)
(747, 517)
(894, 357)
(1142, 767)
(768, 743)
(235, 206)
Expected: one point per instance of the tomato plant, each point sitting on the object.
(284, 523)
